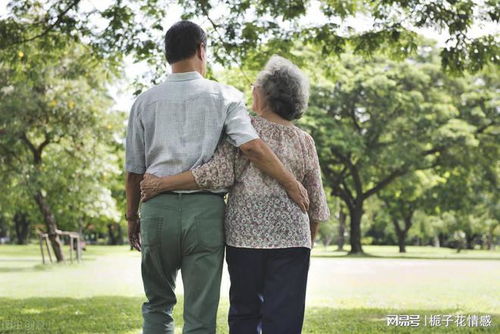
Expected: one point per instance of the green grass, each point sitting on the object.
(103, 294)
(112, 314)
(412, 252)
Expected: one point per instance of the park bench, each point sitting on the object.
(74, 245)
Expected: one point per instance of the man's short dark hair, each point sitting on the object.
(182, 40)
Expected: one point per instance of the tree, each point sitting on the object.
(376, 120)
(136, 27)
(22, 227)
(382, 120)
(16, 207)
(402, 198)
(469, 179)
(57, 131)
(330, 229)
(341, 229)
(430, 229)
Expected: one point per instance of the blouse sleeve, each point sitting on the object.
(218, 172)
(318, 206)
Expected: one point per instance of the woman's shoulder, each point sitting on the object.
(307, 136)
(304, 135)
(309, 146)
(260, 123)
(295, 133)
(253, 118)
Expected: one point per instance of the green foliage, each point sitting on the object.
(327, 233)
(396, 129)
(386, 118)
(136, 27)
(372, 125)
(58, 134)
(392, 129)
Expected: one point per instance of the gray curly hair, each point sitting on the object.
(286, 87)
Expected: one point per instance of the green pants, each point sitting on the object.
(186, 232)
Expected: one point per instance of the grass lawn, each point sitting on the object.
(103, 294)
(412, 252)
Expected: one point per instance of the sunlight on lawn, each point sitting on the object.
(103, 294)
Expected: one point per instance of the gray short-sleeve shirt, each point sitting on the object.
(176, 126)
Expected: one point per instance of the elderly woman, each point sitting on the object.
(268, 237)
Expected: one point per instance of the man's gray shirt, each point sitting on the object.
(176, 126)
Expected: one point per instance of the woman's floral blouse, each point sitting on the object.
(259, 213)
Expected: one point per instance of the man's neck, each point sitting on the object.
(185, 66)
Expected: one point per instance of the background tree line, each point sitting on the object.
(407, 132)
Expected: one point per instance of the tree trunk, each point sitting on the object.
(401, 234)
(3, 228)
(355, 213)
(442, 240)
(341, 239)
(436, 241)
(470, 240)
(490, 239)
(401, 241)
(327, 241)
(22, 227)
(119, 234)
(115, 234)
(111, 235)
(51, 225)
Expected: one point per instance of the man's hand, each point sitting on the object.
(134, 232)
(298, 194)
(150, 186)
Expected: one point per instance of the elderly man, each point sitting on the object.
(174, 127)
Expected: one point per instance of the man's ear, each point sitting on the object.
(200, 52)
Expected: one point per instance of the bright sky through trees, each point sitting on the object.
(122, 91)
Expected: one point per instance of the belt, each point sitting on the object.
(193, 193)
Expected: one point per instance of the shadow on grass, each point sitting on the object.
(116, 314)
(343, 255)
(16, 269)
(39, 267)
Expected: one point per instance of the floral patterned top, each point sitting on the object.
(259, 213)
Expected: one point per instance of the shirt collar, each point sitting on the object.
(184, 76)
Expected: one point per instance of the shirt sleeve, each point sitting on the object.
(135, 161)
(218, 172)
(318, 206)
(237, 124)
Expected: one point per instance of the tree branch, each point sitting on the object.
(342, 192)
(30, 145)
(37, 151)
(43, 144)
(385, 182)
(484, 127)
(221, 39)
(358, 187)
(50, 27)
(352, 114)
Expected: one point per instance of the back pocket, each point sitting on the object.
(210, 232)
(151, 230)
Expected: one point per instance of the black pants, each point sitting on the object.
(268, 289)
